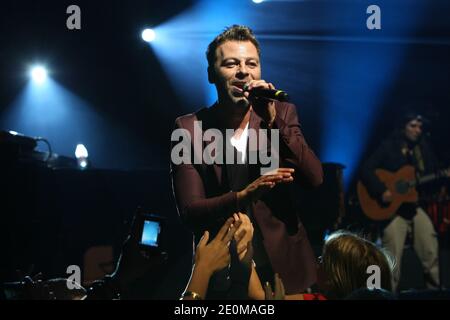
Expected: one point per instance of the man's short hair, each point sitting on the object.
(233, 33)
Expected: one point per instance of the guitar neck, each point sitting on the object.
(428, 178)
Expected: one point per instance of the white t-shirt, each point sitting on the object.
(241, 143)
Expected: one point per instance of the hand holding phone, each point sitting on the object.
(142, 250)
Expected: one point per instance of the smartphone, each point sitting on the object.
(151, 235)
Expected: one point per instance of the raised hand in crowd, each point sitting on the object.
(244, 234)
(209, 258)
(241, 252)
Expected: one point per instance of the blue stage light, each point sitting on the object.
(148, 35)
(38, 74)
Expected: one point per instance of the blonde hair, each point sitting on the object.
(346, 257)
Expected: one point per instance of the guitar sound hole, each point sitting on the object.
(402, 187)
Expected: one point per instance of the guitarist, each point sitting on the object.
(406, 146)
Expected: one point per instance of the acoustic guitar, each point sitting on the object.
(402, 185)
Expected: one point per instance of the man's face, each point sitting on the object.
(237, 62)
(413, 130)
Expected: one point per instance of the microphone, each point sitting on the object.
(279, 95)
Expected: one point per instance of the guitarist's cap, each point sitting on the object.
(412, 115)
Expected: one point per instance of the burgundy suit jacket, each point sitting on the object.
(204, 202)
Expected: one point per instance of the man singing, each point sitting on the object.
(207, 194)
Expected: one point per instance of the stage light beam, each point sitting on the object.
(257, 1)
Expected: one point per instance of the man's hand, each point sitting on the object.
(260, 186)
(264, 108)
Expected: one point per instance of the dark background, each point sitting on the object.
(316, 50)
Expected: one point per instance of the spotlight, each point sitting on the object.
(83, 164)
(257, 1)
(38, 74)
(148, 35)
(81, 154)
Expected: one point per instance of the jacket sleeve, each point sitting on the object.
(194, 206)
(294, 151)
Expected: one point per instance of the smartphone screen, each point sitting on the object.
(150, 233)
